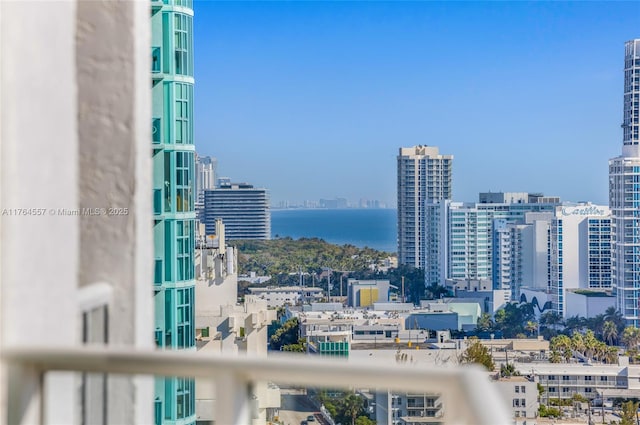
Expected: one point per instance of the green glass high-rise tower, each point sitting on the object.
(173, 198)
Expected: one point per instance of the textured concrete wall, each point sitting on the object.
(74, 115)
(39, 170)
(115, 168)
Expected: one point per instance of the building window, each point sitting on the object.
(167, 182)
(517, 389)
(522, 389)
(183, 30)
(184, 182)
(185, 397)
(185, 322)
(183, 111)
(185, 246)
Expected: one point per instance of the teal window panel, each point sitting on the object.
(157, 410)
(157, 201)
(168, 251)
(183, 44)
(156, 130)
(183, 113)
(166, 42)
(168, 183)
(185, 247)
(157, 271)
(156, 59)
(184, 177)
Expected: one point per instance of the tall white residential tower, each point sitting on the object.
(424, 176)
(624, 194)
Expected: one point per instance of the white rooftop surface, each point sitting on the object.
(426, 357)
(577, 369)
(285, 289)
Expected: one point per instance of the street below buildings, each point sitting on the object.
(295, 406)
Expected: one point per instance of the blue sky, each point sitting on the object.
(313, 99)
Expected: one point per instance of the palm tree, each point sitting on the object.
(484, 322)
(531, 327)
(611, 355)
(631, 337)
(550, 321)
(551, 318)
(555, 357)
(577, 342)
(352, 405)
(615, 316)
(596, 324)
(575, 324)
(609, 332)
(562, 345)
(590, 344)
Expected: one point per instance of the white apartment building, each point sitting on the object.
(409, 409)
(508, 258)
(580, 251)
(332, 332)
(536, 245)
(464, 245)
(624, 194)
(563, 380)
(424, 176)
(521, 395)
(287, 295)
(224, 326)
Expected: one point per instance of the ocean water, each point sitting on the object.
(373, 228)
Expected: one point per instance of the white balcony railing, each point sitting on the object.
(469, 393)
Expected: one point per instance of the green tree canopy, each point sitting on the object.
(363, 420)
(286, 335)
(513, 318)
(631, 337)
(610, 332)
(352, 406)
(477, 353)
(309, 255)
(485, 323)
(629, 413)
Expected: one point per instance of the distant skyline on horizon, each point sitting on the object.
(310, 99)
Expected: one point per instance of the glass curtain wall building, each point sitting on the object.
(173, 198)
(624, 194)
